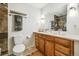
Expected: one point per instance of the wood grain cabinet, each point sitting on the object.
(54, 46)
(36, 41)
(49, 45)
(39, 42)
(64, 46)
(41, 45)
(49, 48)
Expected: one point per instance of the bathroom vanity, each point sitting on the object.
(56, 45)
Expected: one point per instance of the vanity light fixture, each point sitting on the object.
(73, 9)
(42, 19)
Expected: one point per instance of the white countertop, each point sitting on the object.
(62, 35)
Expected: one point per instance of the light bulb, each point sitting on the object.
(42, 21)
(42, 17)
(72, 12)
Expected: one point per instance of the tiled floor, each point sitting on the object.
(29, 51)
(37, 53)
(32, 52)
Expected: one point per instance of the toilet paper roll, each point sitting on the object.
(28, 37)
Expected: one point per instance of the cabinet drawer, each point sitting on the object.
(63, 49)
(64, 42)
(57, 53)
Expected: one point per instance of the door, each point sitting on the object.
(41, 45)
(49, 48)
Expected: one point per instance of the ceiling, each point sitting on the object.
(38, 5)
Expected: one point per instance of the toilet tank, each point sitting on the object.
(18, 40)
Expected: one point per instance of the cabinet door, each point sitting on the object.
(41, 45)
(49, 48)
(64, 47)
(36, 40)
(57, 53)
(64, 42)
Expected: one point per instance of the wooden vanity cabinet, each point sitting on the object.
(41, 44)
(49, 46)
(37, 41)
(54, 46)
(45, 44)
(64, 47)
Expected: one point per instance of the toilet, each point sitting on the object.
(19, 46)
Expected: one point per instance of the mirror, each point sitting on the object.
(56, 18)
(59, 23)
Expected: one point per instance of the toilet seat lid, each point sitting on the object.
(19, 48)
